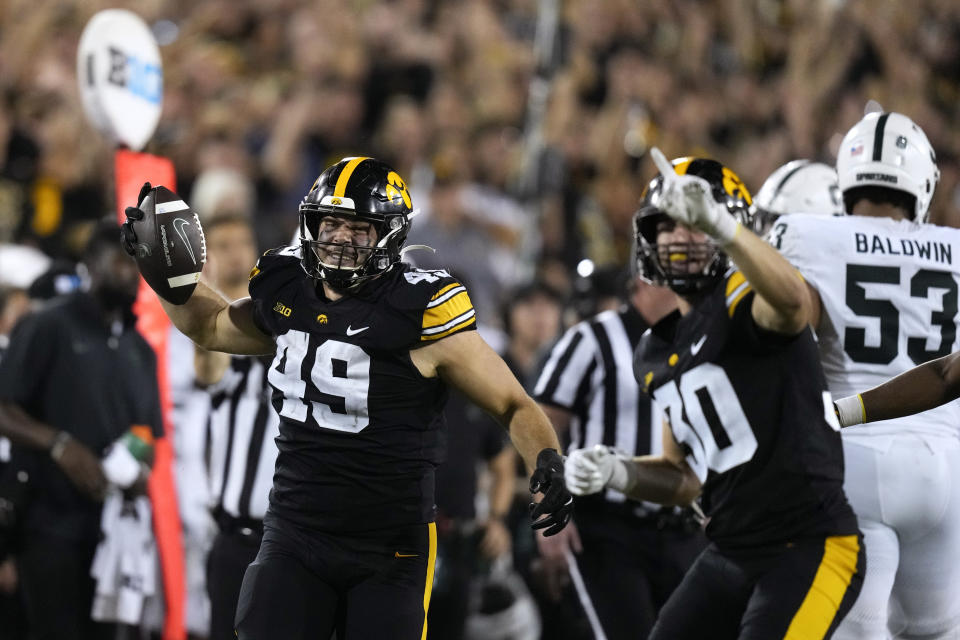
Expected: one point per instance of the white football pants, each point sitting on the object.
(906, 493)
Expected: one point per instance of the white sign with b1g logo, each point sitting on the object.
(121, 77)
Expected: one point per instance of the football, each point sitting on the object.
(170, 247)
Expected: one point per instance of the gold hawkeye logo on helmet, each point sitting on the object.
(336, 201)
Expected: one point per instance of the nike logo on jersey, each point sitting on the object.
(352, 332)
(178, 225)
(695, 347)
(397, 554)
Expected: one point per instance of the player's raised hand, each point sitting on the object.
(128, 236)
(165, 238)
(689, 200)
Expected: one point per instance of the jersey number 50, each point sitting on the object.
(333, 387)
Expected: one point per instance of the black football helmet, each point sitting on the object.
(361, 189)
(668, 265)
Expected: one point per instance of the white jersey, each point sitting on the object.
(889, 295)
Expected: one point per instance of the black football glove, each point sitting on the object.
(557, 503)
(128, 237)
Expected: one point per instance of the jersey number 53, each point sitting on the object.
(925, 283)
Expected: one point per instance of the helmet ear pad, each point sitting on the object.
(362, 189)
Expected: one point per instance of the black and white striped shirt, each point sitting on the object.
(589, 373)
(241, 431)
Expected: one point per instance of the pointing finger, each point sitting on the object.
(663, 165)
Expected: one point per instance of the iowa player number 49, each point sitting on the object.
(335, 392)
(706, 418)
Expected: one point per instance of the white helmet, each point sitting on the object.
(800, 186)
(889, 150)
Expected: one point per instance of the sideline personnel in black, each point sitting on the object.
(631, 555)
(365, 347)
(76, 376)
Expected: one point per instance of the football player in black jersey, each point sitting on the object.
(749, 424)
(365, 347)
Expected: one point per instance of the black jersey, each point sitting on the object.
(358, 444)
(751, 410)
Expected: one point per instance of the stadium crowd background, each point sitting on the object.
(260, 96)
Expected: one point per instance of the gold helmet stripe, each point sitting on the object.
(344, 178)
(680, 165)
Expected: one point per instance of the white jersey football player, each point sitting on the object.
(884, 284)
(800, 186)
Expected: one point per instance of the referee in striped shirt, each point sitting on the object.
(241, 427)
(624, 558)
(242, 454)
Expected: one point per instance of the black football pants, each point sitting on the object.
(230, 554)
(306, 584)
(630, 568)
(798, 590)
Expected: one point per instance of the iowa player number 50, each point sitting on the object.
(336, 394)
(706, 416)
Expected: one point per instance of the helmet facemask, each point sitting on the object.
(687, 268)
(347, 265)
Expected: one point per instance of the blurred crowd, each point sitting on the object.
(260, 96)
(523, 141)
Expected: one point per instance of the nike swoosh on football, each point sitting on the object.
(352, 332)
(179, 229)
(695, 347)
(397, 554)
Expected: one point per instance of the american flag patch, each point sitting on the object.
(856, 149)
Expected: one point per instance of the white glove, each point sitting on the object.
(588, 471)
(119, 466)
(689, 200)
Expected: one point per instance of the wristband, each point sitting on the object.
(850, 410)
(59, 445)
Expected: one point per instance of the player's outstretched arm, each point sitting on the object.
(782, 302)
(215, 324)
(468, 363)
(665, 479)
(922, 388)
